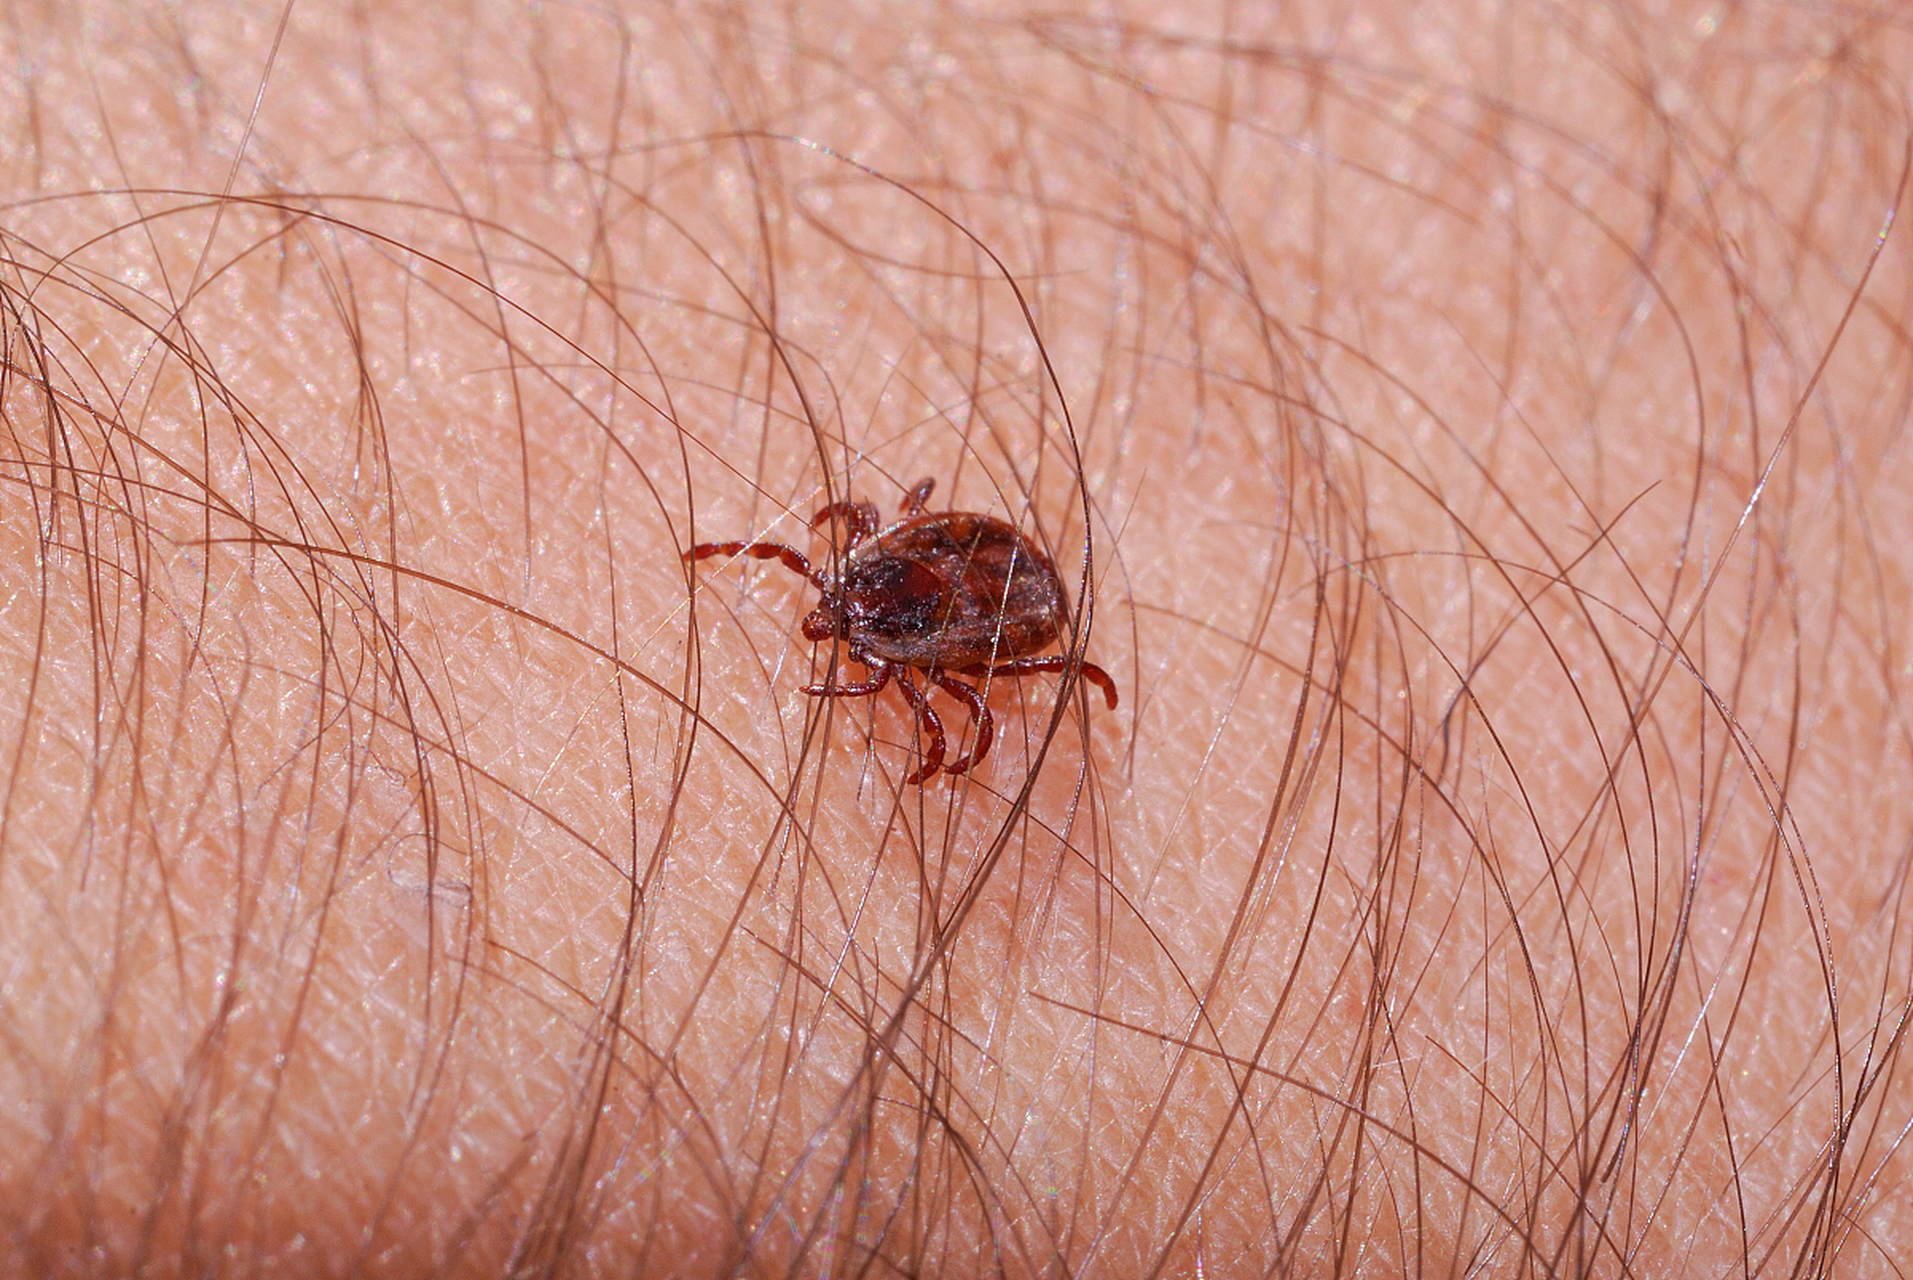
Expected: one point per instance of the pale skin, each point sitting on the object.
(1485, 429)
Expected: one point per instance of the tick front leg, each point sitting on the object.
(792, 559)
(979, 718)
(1055, 662)
(860, 520)
(931, 728)
(919, 494)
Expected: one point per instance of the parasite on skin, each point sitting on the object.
(946, 593)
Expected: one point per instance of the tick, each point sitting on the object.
(946, 593)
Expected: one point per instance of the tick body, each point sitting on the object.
(945, 593)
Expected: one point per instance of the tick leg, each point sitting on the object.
(979, 718)
(793, 559)
(931, 727)
(1101, 679)
(860, 519)
(919, 494)
(861, 689)
(1055, 662)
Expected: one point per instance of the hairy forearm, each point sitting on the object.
(1478, 432)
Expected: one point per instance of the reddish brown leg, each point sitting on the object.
(926, 718)
(980, 719)
(1102, 680)
(932, 730)
(793, 559)
(861, 689)
(1055, 662)
(919, 494)
(860, 520)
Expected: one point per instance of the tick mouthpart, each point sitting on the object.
(819, 626)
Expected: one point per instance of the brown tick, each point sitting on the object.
(947, 592)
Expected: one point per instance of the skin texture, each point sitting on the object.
(1480, 430)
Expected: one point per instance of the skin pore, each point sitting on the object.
(1483, 427)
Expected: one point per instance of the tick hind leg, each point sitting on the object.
(931, 728)
(792, 559)
(927, 721)
(980, 718)
(1055, 662)
(858, 688)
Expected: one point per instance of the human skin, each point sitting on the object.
(1483, 427)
